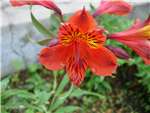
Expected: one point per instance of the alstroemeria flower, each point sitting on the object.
(137, 37)
(46, 3)
(80, 46)
(118, 7)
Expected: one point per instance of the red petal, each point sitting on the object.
(76, 63)
(141, 47)
(102, 61)
(83, 20)
(139, 30)
(46, 3)
(76, 70)
(53, 58)
(117, 7)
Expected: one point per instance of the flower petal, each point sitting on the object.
(76, 70)
(133, 33)
(83, 20)
(46, 3)
(141, 47)
(137, 38)
(53, 58)
(76, 63)
(102, 61)
(117, 7)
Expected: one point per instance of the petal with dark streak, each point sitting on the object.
(54, 57)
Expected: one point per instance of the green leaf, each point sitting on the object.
(57, 103)
(44, 42)
(68, 109)
(33, 68)
(92, 7)
(17, 92)
(4, 83)
(29, 111)
(54, 23)
(16, 103)
(77, 92)
(17, 64)
(39, 26)
(95, 94)
(114, 23)
(61, 86)
(67, 93)
(42, 97)
(107, 86)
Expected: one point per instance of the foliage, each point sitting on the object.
(39, 90)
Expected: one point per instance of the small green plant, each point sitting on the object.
(39, 90)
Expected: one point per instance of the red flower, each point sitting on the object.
(137, 37)
(46, 3)
(80, 46)
(118, 7)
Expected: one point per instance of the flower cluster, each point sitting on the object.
(81, 42)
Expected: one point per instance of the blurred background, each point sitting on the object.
(27, 87)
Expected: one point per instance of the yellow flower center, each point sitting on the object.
(69, 34)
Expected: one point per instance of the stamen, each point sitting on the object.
(69, 34)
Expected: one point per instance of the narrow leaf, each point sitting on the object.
(57, 104)
(68, 109)
(62, 85)
(39, 26)
(79, 92)
(44, 42)
(17, 92)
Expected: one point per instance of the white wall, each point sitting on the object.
(11, 14)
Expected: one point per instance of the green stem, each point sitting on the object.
(55, 80)
(54, 85)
